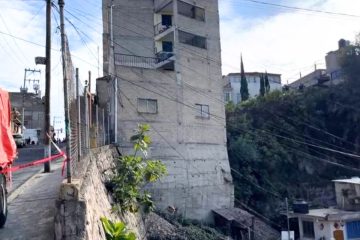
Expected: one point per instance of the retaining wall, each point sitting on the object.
(82, 203)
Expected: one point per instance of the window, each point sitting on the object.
(227, 97)
(191, 11)
(192, 39)
(202, 111)
(308, 229)
(238, 97)
(147, 105)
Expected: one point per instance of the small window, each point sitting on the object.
(238, 97)
(202, 111)
(147, 105)
(227, 97)
(192, 39)
(308, 229)
(191, 11)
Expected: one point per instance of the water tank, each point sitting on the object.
(300, 206)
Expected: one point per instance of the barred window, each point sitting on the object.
(147, 105)
(202, 111)
(192, 39)
(191, 11)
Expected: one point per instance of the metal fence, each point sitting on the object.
(87, 122)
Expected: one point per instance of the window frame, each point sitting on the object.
(184, 38)
(194, 13)
(309, 227)
(147, 105)
(202, 114)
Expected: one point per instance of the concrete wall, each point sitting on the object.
(82, 203)
(347, 196)
(193, 148)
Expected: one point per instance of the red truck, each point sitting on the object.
(7, 151)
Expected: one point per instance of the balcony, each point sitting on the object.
(161, 30)
(163, 60)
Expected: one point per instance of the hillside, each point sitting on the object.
(292, 144)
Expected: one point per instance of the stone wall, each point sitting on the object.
(85, 200)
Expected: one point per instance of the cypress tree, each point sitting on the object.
(244, 91)
(267, 83)
(262, 85)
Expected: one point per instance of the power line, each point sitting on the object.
(303, 9)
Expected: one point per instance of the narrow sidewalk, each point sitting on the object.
(32, 207)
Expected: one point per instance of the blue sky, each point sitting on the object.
(270, 38)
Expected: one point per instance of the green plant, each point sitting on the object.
(116, 230)
(134, 172)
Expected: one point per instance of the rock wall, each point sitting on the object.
(83, 202)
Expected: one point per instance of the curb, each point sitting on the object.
(14, 194)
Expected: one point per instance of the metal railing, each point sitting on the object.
(142, 62)
(163, 56)
(160, 28)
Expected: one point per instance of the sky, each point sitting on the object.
(272, 39)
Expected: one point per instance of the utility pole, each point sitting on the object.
(47, 133)
(66, 99)
(287, 217)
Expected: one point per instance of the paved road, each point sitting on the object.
(26, 155)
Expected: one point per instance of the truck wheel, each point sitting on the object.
(3, 201)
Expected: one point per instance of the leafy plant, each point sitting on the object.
(116, 230)
(134, 172)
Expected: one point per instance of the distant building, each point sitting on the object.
(314, 78)
(341, 222)
(34, 111)
(232, 85)
(332, 75)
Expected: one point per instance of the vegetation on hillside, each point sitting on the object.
(292, 143)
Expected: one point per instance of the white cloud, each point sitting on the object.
(288, 42)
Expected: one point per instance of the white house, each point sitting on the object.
(232, 85)
(341, 222)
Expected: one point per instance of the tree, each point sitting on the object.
(350, 62)
(244, 91)
(267, 83)
(262, 85)
(134, 172)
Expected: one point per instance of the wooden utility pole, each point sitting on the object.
(47, 133)
(66, 97)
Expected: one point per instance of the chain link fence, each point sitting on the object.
(87, 121)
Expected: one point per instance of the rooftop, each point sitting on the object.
(328, 214)
(353, 180)
(254, 74)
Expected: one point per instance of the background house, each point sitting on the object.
(34, 111)
(341, 222)
(231, 86)
(332, 75)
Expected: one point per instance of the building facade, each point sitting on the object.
(340, 222)
(232, 85)
(164, 62)
(34, 111)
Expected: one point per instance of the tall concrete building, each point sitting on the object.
(164, 60)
